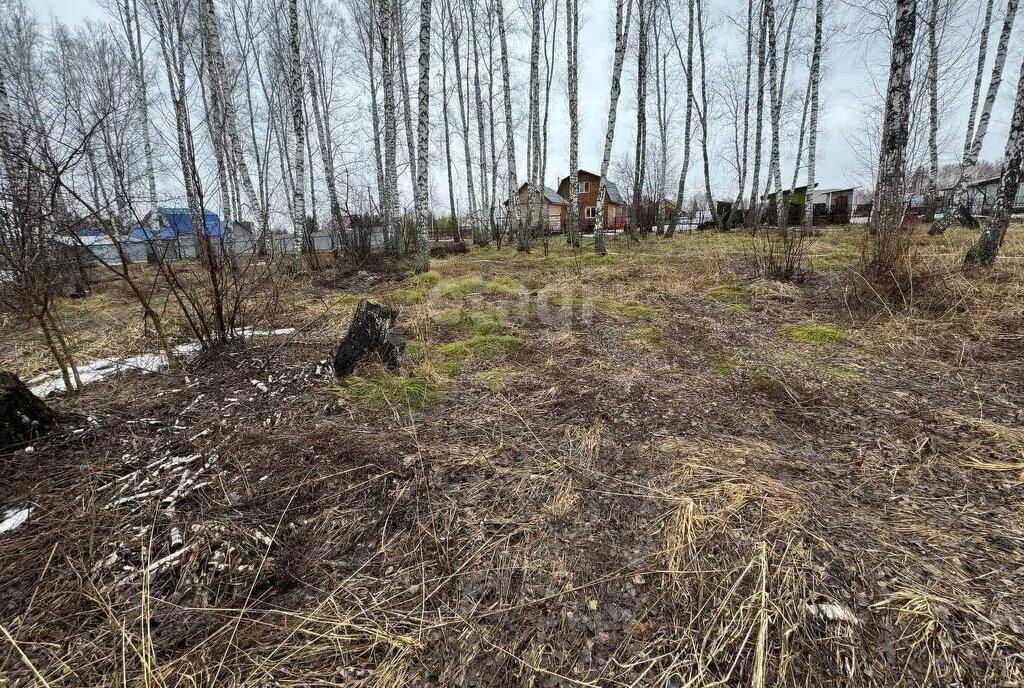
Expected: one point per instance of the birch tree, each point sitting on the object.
(639, 157)
(737, 211)
(702, 114)
(887, 214)
(392, 222)
(533, 137)
(456, 29)
(688, 121)
(456, 228)
(298, 126)
(483, 234)
(510, 141)
(932, 82)
(423, 139)
(986, 249)
(754, 216)
(623, 16)
(128, 12)
(812, 145)
(572, 32)
(959, 209)
(399, 52)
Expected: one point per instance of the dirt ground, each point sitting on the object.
(644, 469)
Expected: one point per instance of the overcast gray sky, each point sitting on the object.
(855, 61)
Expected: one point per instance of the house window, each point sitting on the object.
(585, 188)
(591, 212)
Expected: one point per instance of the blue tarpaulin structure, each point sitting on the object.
(177, 223)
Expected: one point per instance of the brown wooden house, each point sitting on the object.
(551, 216)
(614, 204)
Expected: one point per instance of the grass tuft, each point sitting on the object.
(482, 346)
(464, 286)
(381, 390)
(732, 294)
(639, 311)
(495, 377)
(813, 334)
(478, 321)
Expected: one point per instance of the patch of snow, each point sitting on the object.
(250, 332)
(14, 518)
(51, 381)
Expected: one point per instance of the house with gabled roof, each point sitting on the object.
(549, 216)
(614, 204)
(175, 223)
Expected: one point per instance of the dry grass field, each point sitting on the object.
(642, 469)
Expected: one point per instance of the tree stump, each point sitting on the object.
(23, 415)
(370, 334)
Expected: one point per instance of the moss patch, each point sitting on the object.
(813, 334)
(482, 346)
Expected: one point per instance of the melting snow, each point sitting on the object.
(14, 518)
(49, 382)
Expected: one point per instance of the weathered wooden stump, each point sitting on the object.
(23, 415)
(370, 334)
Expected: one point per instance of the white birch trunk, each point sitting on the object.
(483, 233)
(812, 144)
(398, 41)
(298, 125)
(572, 49)
(423, 141)
(392, 221)
(688, 122)
(641, 116)
(623, 16)
(510, 141)
(889, 205)
(932, 81)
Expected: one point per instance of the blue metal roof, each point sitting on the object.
(176, 222)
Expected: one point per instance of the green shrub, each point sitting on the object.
(813, 334)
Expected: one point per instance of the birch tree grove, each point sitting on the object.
(623, 15)
(993, 231)
(959, 205)
(422, 142)
(887, 214)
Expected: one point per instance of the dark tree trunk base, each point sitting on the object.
(370, 334)
(23, 416)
